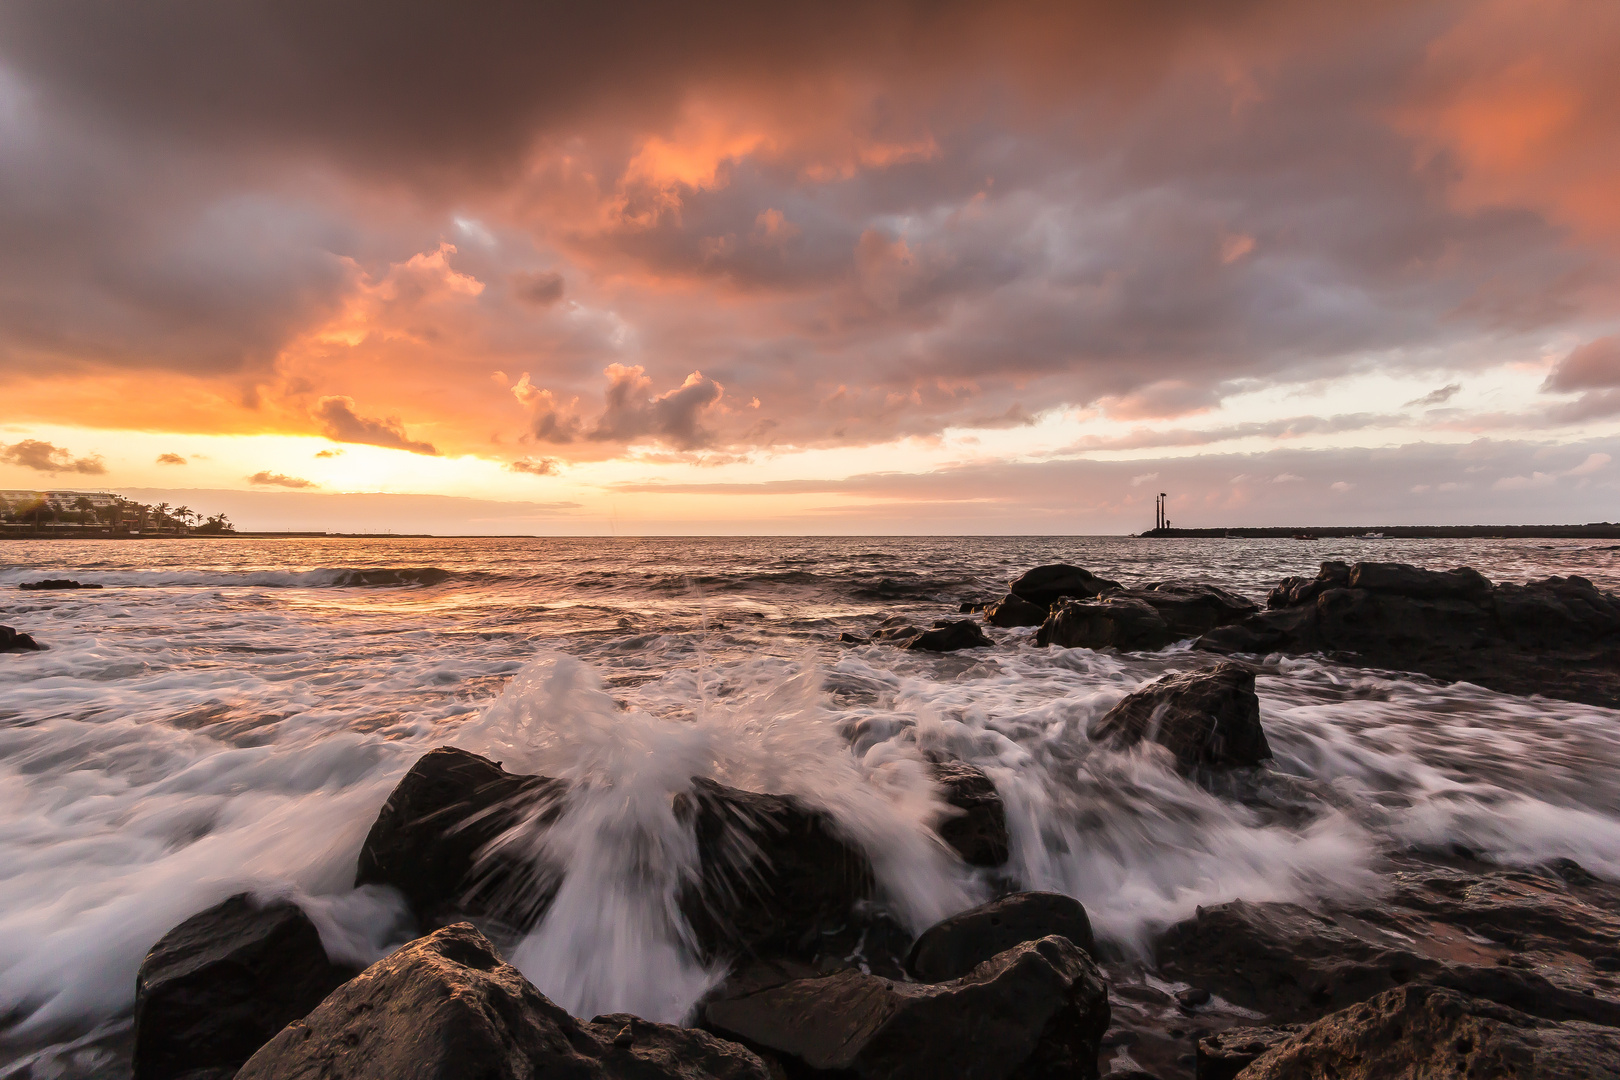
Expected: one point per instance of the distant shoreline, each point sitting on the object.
(1602, 530)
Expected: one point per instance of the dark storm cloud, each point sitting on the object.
(44, 457)
(878, 220)
(340, 423)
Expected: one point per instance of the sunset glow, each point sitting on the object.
(892, 268)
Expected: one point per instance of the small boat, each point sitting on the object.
(1371, 536)
(1306, 536)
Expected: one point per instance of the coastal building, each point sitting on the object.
(61, 501)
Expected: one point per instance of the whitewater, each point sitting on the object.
(230, 715)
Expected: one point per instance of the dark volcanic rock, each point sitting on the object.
(1559, 636)
(1045, 585)
(954, 947)
(776, 875)
(1122, 623)
(1520, 939)
(949, 636)
(1206, 719)
(436, 839)
(1038, 1009)
(1013, 610)
(52, 584)
(979, 832)
(218, 986)
(445, 1007)
(14, 641)
(1440, 1035)
(1223, 1055)
(1190, 608)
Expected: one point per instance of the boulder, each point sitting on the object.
(978, 832)
(53, 584)
(952, 948)
(1225, 1054)
(776, 875)
(1206, 719)
(1559, 636)
(1124, 623)
(1045, 585)
(1013, 610)
(446, 1007)
(16, 641)
(1506, 936)
(436, 840)
(1190, 608)
(218, 986)
(1439, 1034)
(949, 636)
(1038, 1009)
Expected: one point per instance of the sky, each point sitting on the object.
(875, 267)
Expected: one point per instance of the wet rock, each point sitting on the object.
(971, 607)
(1013, 610)
(1206, 719)
(1045, 585)
(848, 638)
(221, 984)
(438, 839)
(1190, 608)
(949, 636)
(1511, 937)
(1115, 622)
(978, 832)
(16, 641)
(1440, 1034)
(54, 584)
(952, 948)
(1225, 1054)
(1559, 636)
(776, 876)
(446, 1006)
(1038, 1009)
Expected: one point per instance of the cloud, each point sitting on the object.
(170, 459)
(328, 453)
(1594, 365)
(631, 412)
(540, 288)
(275, 479)
(1435, 397)
(342, 424)
(536, 466)
(43, 456)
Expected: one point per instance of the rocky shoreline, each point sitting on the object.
(1460, 969)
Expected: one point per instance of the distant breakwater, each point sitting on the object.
(1601, 530)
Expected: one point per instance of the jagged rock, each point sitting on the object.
(52, 584)
(1122, 623)
(775, 873)
(1225, 1054)
(1439, 1034)
(949, 636)
(952, 948)
(979, 832)
(1559, 636)
(848, 638)
(446, 1007)
(1045, 585)
(1013, 610)
(218, 986)
(436, 839)
(1190, 608)
(1038, 1009)
(14, 641)
(1490, 935)
(1206, 719)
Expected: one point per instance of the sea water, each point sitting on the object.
(230, 714)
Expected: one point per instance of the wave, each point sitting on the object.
(333, 577)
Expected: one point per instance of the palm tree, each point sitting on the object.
(185, 515)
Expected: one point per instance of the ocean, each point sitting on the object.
(231, 714)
